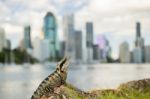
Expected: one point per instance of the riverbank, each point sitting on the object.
(139, 89)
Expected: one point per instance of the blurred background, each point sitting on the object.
(107, 42)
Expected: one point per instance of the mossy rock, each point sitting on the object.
(139, 89)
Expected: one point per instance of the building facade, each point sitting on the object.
(2, 39)
(37, 48)
(8, 45)
(41, 49)
(124, 53)
(78, 46)
(50, 33)
(137, 55)
(62, 49)
(89, 41)
(69, 34)
(147, 54)
(139, 42)
(96, 52)
(105, 50)
(27, 37)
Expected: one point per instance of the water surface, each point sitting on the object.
(19, 82)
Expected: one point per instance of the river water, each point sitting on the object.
(19, 82)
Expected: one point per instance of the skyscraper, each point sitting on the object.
(89, 41)
(8, 45)
(138, 29)
(50, 33)
(69, 34)
(103, 44)
(124, 54)
(137, 55)
(89, 34)
(139, 40)
(147, 54)
(62, 49)
(2, 39)
(78, 47)
(37, 48)
(27, 37)
(41, 49)
(96, 52)
(8, 51)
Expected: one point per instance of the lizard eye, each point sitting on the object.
(57, 69)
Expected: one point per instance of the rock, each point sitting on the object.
(138, 85)
(140, 88)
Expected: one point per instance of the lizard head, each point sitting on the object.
(62, 67)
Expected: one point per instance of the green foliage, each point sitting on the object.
(18, 55)
(5, 53)
(126, 94)
(23, 56)
(2, 58)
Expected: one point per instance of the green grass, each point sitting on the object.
(139, 89)
(120, 93)
(127, 93)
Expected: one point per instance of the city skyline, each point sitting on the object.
(117, 22)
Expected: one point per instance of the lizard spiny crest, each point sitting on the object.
(54, 80)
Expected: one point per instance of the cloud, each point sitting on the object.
(68, 6)
(116, 19)
(110, 17)
(13, 33)
(17, 13)
(115, 15)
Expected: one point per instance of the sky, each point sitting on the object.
(115, 19)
